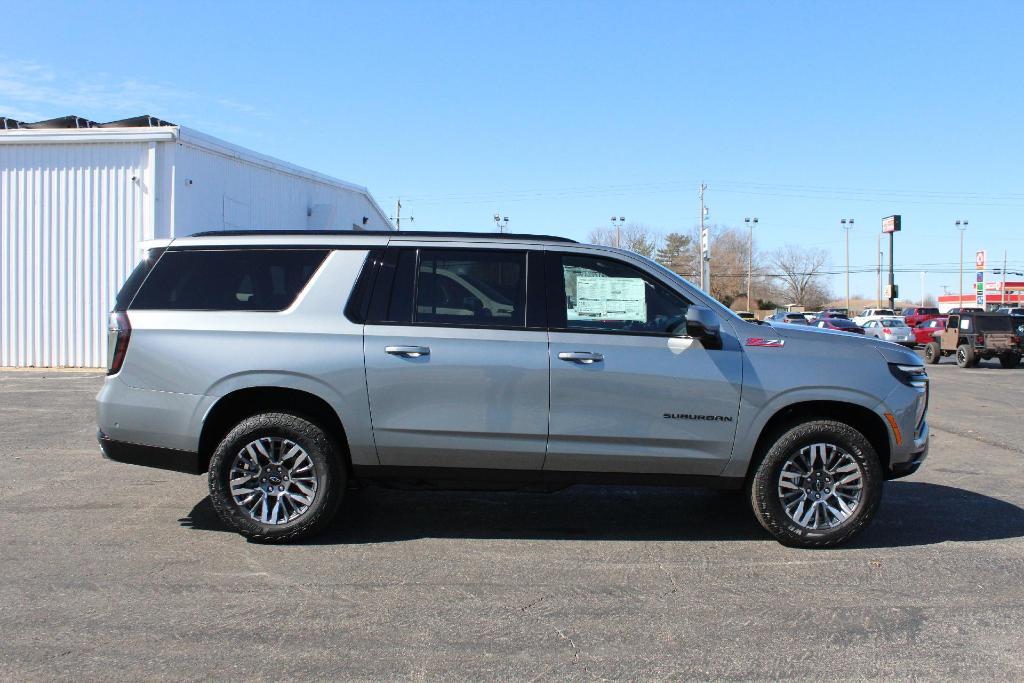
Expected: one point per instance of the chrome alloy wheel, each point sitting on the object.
(273, 479)
(820, 486)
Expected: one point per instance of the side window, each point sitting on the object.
(606, 295)
(228, 279)
(484, 288)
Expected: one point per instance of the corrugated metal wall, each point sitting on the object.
(214, 191)
(70, 218)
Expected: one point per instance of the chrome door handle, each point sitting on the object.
(583, 357)
(408, 351)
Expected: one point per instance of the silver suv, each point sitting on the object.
(291, 365)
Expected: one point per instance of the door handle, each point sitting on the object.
(582, 357)
(408, 351)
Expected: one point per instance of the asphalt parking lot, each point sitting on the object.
(119, 572)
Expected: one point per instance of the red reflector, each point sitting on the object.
(981, 339)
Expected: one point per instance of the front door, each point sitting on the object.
(455, 377)
(628, 393)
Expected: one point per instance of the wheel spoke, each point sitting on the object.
(259, 468)
(834, 478)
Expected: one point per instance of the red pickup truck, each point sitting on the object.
(918, 314)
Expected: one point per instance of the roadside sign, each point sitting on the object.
(979, 259)
(892, 223)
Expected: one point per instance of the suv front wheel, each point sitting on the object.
(818, 485)
(276, 477)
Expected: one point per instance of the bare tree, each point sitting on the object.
(800, 274)
(636, 237)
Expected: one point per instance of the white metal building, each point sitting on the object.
(77, 198)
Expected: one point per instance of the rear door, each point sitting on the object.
(627, 394)
(456, 359)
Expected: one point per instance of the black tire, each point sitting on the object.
(329, 474)
(932, 353)
(764, 484)
(1009, 360)
(965, 356)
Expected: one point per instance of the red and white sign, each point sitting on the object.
(979, 259)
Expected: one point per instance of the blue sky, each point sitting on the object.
(562, 114)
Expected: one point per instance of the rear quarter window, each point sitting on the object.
(228, 279)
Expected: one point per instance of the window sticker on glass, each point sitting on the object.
(609, 298)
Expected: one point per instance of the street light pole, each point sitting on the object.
(961, 225)
(617, 224)
(751, 222)
(847, 226)
(500, 222)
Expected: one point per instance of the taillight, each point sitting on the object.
(119, 331)
(981, 339)
(887, 330)
(1015, 340)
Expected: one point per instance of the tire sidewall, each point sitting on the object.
(318, 445)
(764, 484)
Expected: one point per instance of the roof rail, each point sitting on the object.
(380, 233)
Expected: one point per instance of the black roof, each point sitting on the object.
(382, 233)
(72, 121)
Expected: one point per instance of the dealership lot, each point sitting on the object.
(122, 572)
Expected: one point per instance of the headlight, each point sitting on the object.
(911, 375)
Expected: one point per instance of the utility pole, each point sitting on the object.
(847, 226)
(922, 289)
(705, 246)
(398, 215)
(878, 247)
(961, 225)
(1002, 290)
(617, 224)
(750, 257)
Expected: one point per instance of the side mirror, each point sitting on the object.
(702, 324)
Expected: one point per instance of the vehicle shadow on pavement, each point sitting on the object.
(912, 513)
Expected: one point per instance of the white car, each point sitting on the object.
(891, 329)
(873, 314)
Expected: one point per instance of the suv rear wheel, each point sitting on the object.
(965, 357)
(276, 477)
(818, 485)
(1009, 360)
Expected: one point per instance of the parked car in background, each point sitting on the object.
(844, 312)
(811, 316)
(1008, 310)
(976, 336)
(964, 309)
(890, 329)
(872, 314)
(824, 315)
(789, 318)
(918, 314)
(840, 324)
(926, 331)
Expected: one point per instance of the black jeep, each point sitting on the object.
(973, 336)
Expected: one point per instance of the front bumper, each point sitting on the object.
(916, 457)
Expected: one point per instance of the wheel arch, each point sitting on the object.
(237, 405)
(861, 418)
